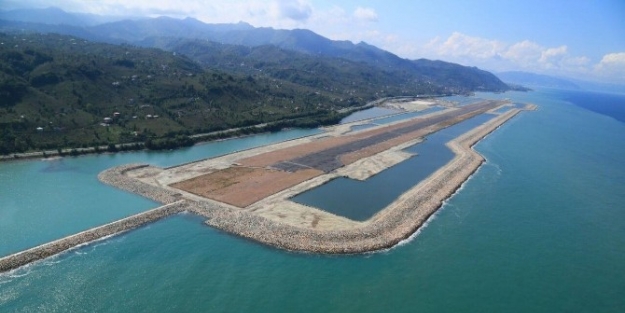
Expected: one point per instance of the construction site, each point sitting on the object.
(249, 193)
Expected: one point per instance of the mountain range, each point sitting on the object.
(536, 80)
(76, 80)
(456, 78)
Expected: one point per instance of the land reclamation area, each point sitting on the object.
(256, 177)
(249, 193)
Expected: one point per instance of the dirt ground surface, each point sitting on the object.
(253, 202)
(242, 186)
(279, 222)
(415, 105)
(262, 175)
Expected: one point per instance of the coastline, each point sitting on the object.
(398, 221)
(67, 152)
(120, 147)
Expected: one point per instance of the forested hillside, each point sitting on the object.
(335, 75)
(61, 91)
(162, 32)
(159, 80)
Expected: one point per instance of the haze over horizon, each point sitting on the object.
(567, 39)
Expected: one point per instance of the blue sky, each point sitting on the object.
(582, 39)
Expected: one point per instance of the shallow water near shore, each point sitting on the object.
(41, 201)
(539, 228)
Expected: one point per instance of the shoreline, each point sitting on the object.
(387, 228)
(67, 152)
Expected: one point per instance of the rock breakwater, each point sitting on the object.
(55, 247)
(115, 177)
(390, 226)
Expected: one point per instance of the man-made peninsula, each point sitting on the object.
(248, 193)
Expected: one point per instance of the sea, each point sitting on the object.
(540, 227)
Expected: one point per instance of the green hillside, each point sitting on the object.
(340, 77)
(166, 32)
(61, 91)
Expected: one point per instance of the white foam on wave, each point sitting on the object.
(19, 275)
(488, 162)
(410, 238)
(499, 170)
(8, 295)
(21, 271)
(457, 191)
(445, 204)
(94, 244)
(53, 259)
(50, 261)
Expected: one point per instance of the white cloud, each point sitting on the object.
(296, 10)
(524, 55)
(366, 14)
(337, 23)
(613, 60)
(460, 45)
(612, 66)
(553, 53)
(276, 13)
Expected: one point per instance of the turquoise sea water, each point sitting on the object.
(379, 113)
(539, 228)
(399, 117)
(367, 114)
(41, 201)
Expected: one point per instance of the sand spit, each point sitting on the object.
(277, 221)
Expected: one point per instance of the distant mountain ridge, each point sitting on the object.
(50, 15)
(56, 16)
(306, 41)
(320, 72)
(536, 80)
(456, 78)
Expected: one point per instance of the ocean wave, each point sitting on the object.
(459, 189)
(5, 281)
(499, 170)
(418, 232)
(427, 222)
(19, 275)
(22, 271)
(8, 295)
(409, 239)
(50, 261)
(57, 258)
(103, 241)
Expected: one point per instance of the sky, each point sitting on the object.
(570, 38)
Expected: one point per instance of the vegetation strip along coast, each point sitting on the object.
(387, 228)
